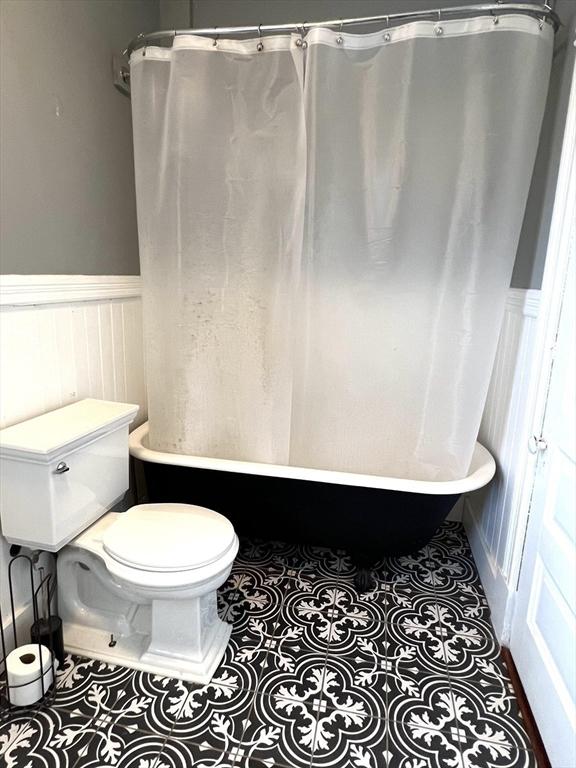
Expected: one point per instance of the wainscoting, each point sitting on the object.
(64, 338)
(492, 516)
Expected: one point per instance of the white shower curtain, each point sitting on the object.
(327, 234)
(220, 157)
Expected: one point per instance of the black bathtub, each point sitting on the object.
(367, 515)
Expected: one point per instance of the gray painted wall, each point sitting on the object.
(207, 13)
(67, 203)
(174, 14)
(67, 178)
(531, 254)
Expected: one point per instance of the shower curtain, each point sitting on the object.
(327, 234)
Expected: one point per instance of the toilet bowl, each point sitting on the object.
(138, 588)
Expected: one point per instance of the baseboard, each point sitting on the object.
(526, 711)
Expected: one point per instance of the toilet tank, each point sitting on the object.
(61, 471)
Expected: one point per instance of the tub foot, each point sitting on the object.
(364, 581)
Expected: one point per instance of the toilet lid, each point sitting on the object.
(168, 537)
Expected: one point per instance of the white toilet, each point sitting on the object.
(136, 588)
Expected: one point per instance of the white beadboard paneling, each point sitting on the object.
(63, 338)
(92, 341)
(491, 516)
(107, 343)
(64, 341)
(118, 353)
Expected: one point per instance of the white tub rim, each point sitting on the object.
(482, 470)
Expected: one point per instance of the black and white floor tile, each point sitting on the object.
(407, 675)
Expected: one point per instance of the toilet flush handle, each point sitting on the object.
(61, 467)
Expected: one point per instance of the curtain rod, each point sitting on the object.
(544, 11)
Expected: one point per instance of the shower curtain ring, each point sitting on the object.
(215, 41)
(340, 39)
(299, 40)
(438, 29)
(260, 46)
(387, 36)
(304, 43)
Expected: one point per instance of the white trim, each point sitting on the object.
(26, 290)
(526, 300)
(553, 285)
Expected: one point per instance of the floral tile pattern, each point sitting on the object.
(121, 747)
(406, 675)
(204, 713)
(50, 739)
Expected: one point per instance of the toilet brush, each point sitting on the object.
(47, 630)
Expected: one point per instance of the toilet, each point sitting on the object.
(136, 588)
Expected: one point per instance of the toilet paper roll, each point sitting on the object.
(23, 673)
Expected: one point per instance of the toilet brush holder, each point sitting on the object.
(48, 632)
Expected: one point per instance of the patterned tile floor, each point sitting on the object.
(405, 676)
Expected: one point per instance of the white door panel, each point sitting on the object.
(543, 640)
(543, 635)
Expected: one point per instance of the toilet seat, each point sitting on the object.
(167, 538)
(158, 575)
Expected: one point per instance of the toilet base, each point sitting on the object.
(163, 623)
(132, 651)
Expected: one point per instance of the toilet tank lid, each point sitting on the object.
(45, 437)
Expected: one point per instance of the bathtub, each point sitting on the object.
(367, 515)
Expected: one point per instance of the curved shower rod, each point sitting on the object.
(544, 11)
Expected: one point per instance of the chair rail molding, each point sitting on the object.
(26, 290)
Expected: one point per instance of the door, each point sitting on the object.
(543, 636)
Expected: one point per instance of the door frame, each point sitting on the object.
(553, 287)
